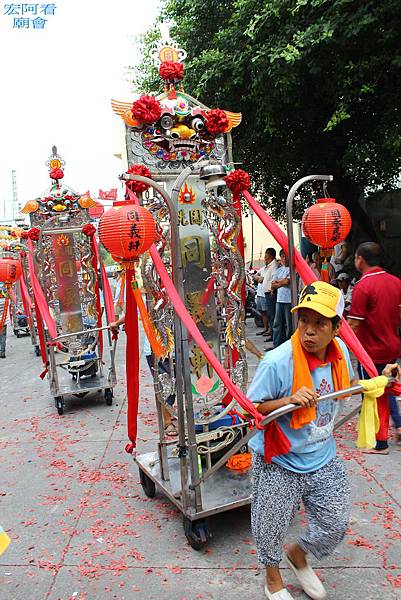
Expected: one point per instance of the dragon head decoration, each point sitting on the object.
(174, 127)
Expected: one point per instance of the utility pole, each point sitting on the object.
(17, 218)
(15, 193)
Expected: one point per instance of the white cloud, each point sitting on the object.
(56, 88)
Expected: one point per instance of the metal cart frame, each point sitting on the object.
(76, 386)
(174, 468)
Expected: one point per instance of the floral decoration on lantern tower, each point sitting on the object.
(326, 223)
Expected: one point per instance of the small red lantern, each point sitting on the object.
(10, 270)
(96, 211)
(326, 223)
(127, 231)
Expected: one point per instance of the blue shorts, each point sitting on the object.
(261, 303)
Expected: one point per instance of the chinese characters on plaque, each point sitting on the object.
(29, 16)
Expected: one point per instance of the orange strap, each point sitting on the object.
(4, 313)
(155, 344)
(302, 377)
(121, 296)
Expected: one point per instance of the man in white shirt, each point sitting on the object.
(262, 304)
(270, 293)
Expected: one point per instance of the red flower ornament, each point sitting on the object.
(216, 121)
(138, 186)
(171, 71)
(89, 230)
(146, 109)
(34, 234)
(238, 181)
(56, 174)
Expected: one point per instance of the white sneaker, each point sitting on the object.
(309, 581)
(280, 595)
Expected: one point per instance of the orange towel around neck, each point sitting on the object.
(302, 376)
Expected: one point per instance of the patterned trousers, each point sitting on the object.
(276, 496)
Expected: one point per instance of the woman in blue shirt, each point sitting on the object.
(309, 471)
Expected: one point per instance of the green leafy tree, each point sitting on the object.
(318, 83)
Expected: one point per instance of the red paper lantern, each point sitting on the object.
(96, 211)
(10, 270)
(127, 231)
(326, 223)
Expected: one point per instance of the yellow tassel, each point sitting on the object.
(368, 423)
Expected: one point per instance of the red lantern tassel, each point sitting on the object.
(131, 362)
(26, 301)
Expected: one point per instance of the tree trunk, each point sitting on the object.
(363, 230)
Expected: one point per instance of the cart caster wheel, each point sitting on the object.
(17, 334)
(59, 404)
(108, 396)
(147, 484)
(37, 351)
(196, 533)
(74, 377)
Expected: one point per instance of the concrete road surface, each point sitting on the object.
(81, 527)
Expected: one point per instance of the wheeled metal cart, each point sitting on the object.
(220, 489)
(79, 375)
(79, 348)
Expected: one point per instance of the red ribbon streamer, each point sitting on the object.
(40, 300)
(107, 295)
(131, 362)
(276, 442)
(308, 276)
(95, 260)
(26, 301)
(39, 321)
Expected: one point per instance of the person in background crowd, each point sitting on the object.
(342, 281)
(261, 302)
(270, 294)
(282, 326)
(5, 318)
(375, 318)
(119, 293)
(342, 259)
(323, 270)
(335, 260)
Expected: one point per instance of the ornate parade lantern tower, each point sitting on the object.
(63, 263)
(186, 147)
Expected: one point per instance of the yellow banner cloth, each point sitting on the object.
(368, 422)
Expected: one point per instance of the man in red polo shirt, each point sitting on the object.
(375, 316)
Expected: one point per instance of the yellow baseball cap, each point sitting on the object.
(323, 298)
